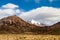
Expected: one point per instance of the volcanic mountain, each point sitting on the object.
(54, 29)
(14, 24)
(57, 26)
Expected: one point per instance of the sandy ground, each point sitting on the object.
(28, 37)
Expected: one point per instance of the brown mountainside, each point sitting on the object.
(16, 25)
(57, 25)
(54, 29)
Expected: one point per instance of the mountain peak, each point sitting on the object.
(12, 19)
(14, 24)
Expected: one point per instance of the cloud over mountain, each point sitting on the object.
(37, 1)
(8, 10)
(10, 5)
(45, 15)
(51, 0)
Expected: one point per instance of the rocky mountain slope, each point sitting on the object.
(54, 29)
(16, 25)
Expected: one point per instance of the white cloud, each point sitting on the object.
(51, 0)
(10, 5)
(45, 15)
(8, 10)
(27, 0)
(37, 1)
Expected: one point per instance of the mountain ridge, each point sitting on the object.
(16, 25)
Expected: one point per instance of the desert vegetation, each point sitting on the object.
(28, 37)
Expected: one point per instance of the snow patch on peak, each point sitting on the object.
(36, 23)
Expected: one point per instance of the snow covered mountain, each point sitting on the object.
(37, 23)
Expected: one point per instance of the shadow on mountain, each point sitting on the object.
(15, 25)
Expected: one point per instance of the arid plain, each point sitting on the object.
(28, 37)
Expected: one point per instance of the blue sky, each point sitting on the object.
(32, 4)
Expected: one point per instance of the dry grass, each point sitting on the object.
(28, 37)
